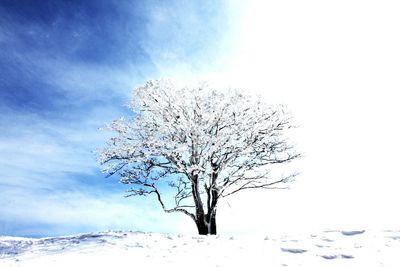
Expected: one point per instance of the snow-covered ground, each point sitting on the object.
(329, 248)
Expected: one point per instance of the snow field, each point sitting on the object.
(330, 248)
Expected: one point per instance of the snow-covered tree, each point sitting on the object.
(206, 144)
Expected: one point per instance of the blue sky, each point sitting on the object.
(68, 68)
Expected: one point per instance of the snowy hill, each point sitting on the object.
(330, 248)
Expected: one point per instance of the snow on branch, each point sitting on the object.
(200, 141)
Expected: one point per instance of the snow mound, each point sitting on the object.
(331, 248)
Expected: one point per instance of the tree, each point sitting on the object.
(203, 143)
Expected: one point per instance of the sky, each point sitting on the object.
(69, 67)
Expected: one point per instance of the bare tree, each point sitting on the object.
(204, 143)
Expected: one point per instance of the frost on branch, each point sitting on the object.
(205, 143)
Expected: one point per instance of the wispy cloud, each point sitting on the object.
(60, 213)
(69, 70)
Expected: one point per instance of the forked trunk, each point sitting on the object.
(206, 225)
(205, 222)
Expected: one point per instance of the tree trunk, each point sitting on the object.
(206, 225)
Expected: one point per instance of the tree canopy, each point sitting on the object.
(203, 142)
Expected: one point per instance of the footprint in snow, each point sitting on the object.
(350, 233)
(327, 240)
(332, 257)
(293, 250)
